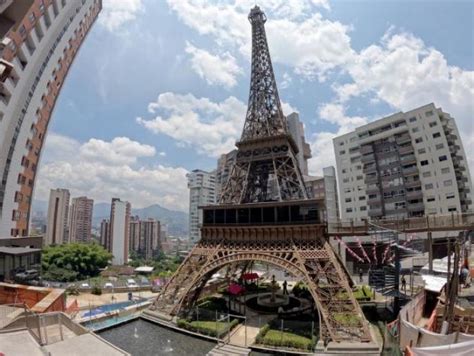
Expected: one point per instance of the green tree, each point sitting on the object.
(73, 261)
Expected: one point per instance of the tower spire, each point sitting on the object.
(264, 114)
(266, 168)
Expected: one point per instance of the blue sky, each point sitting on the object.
(160, 87)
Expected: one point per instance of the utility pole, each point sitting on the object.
(396, 299)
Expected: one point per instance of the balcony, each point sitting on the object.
(416, 194)
(372, 190)
(408, 159)
(406, 149)
(375, 212)
(410, 171)
(375, 201)
(394, 199)
(366, 149)
(369, 168)
(368, 158)
(416, 207)
(404, 138)
(371, 179)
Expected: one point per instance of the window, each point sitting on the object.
(32, 17)
(426, 174)
(360, 177)
(436, 135)
(348, 200)
(349, 210)
(445, 170)
(439, 146)
(419, 140)
(450, 196)
(448, 183)
(342, 152)
(363, 208)
(429, 113)
(429, 186)
(433, 124)
(442, 158)
(362, 197)
(22, 30)
(421, 151)
(341, 143)
(430, 199)
(412, 119)
(452, 209)
(415, 129)
(347, 190)
(345, 180)
(424, 162)
(344, 170)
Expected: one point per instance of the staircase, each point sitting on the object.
(229, 350)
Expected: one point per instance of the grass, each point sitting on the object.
(347, 319)
(362, 293)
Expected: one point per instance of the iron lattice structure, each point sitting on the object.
(265, 215)
(266, 168)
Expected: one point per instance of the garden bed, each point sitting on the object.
(286, 339)
(210, 328)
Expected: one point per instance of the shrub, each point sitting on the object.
(300, 290)
(96, 290)
(72, 290)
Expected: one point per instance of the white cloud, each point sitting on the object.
(287, 108)
(116, 13)
(321, 142)
(209, 127)
(215, 69)
(105, 169)
(309, 44)
(287, 79)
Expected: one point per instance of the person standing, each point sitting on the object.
(404, 284)
(285, 287)
(361, 274)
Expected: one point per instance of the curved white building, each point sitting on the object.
(40, 39)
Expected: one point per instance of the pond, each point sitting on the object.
(143, 338)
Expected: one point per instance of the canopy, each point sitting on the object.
(250, 276)
(236, 289)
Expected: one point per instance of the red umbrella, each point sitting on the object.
(236, 289)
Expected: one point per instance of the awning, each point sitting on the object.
(433, 283)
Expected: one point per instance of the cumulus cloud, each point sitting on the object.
(310, 44)
(116, 13)
(210, 127)
(321, 142)
(105, 169)
(215, 69)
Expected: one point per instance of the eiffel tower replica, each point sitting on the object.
(265, 214)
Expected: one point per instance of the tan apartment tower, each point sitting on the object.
(58, 212)
(39, 40)
(80, 220)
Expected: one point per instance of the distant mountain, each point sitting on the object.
(177, 221)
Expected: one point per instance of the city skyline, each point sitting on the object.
(129, 159)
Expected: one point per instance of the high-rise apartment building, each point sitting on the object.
(119, 231)
(80, 220)
(404, 165)
(202, 191)
(105, 233)
(224, 167)
(296, 129)
(39, 40)
(58, 212)
(144, 237)
(325, 188)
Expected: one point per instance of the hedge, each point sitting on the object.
(210, 328)
(277, 338)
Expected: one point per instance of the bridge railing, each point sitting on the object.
(453, 221)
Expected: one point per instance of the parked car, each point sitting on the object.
(108, 285)
(85, 285)
(131, 283)
(27, 275)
